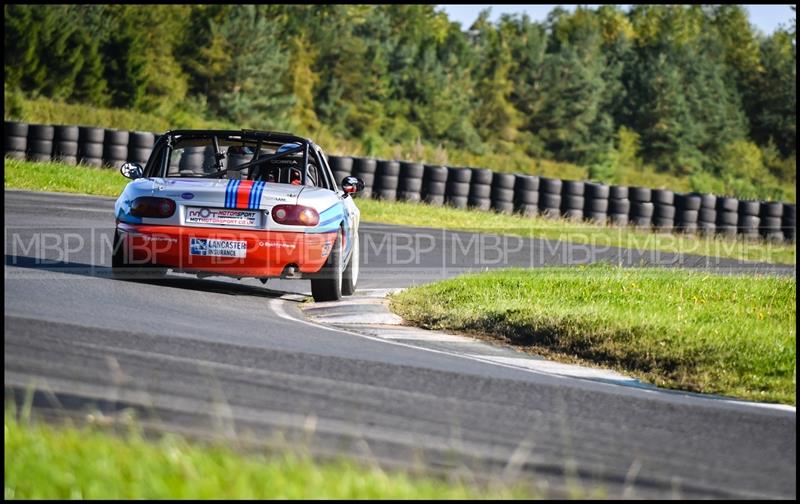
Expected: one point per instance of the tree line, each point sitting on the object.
(693, 91)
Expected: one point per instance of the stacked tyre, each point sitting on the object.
(502, 195)
(642, 208)
(707, 215)
(434, 180)
(364, 168)
(771, 224)
(526, 195)
(409, 188)
(572, 200)
(789, 222)
(619, 206)
(192, 160)
(16, 139)
(749, 220)
(65, 144)
(664, 209)
(342, 166)
(550, 197)
(140, 146)
(387, 177)
(115, 148)
(727, 216)
(480, 189)
(90, 145)
(596, 208)
(457, 191)
(40, 142)
(688, 208)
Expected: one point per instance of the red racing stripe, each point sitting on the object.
(243, 193)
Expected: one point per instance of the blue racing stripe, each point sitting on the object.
(255, 194)
(230, 202)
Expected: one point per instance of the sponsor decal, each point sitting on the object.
(217, 248)
(222, 216)
(287, 246)
(326, 248)
(187, 195)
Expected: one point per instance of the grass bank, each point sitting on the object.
(43, 461)
(720, 334)
(104, 182)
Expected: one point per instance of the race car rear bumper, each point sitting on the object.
(240, 253)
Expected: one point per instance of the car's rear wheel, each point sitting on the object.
(121, 269)
(327, 284)
(350, 275)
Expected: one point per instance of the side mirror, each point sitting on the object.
(132, 171)
(352, 184)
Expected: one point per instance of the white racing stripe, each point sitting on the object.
(511, 363)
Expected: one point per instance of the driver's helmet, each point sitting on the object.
(295, 175)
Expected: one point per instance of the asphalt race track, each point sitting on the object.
(223, 357)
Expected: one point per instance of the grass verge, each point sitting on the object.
(720, 334)
(104, 182)
(43, 461)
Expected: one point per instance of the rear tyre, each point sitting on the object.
(350, 275)
(122, 270)
(327, 284)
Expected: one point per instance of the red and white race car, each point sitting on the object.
(241, 204)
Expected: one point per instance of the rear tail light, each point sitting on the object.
(295, 215)
(149, 206)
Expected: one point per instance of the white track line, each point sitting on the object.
(277, 306)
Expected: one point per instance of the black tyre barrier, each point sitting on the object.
(90, 145)
(596, 217)
(663, 224)
(550, 186)
(708, 215)
(482, 176)
(726, 218)
(457, 201)
(727, 204)
(40, 142)
(573, 214)
(619, 206)
(749, 207)
(342, 166)
(774, 236)
(642, 209)
(434, 184)
(364, 168)
(387, 174)
(727, 230)
(789, 221)
(115, 148)
(502, 199)
(771, 209)
(16, 139)
(504, 180)
(410, 185)
(595, 190)
(573, 188)
(457, 190)
(140, 146)
(479, 203)
(706, 228)
(526, 195)
(618, 192)
(506, 207)
(65, 144)
(192, 160)
(596, 205)
(549, 204)
(480, 191)
(688, 201)
(686, 217)
(707, 200)
(572, 202)
(663, 197)
(15, 128)
(642, 222)
(618, 219)
(664, 211)
(63, 133)
(768, 224)
(639, 194)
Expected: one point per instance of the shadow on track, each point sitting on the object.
(94, 271)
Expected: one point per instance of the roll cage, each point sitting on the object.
(158, 163)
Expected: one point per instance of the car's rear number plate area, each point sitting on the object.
(217, 248)
(223, 216)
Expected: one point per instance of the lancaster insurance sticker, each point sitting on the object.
(222, 216)
(218, 248)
